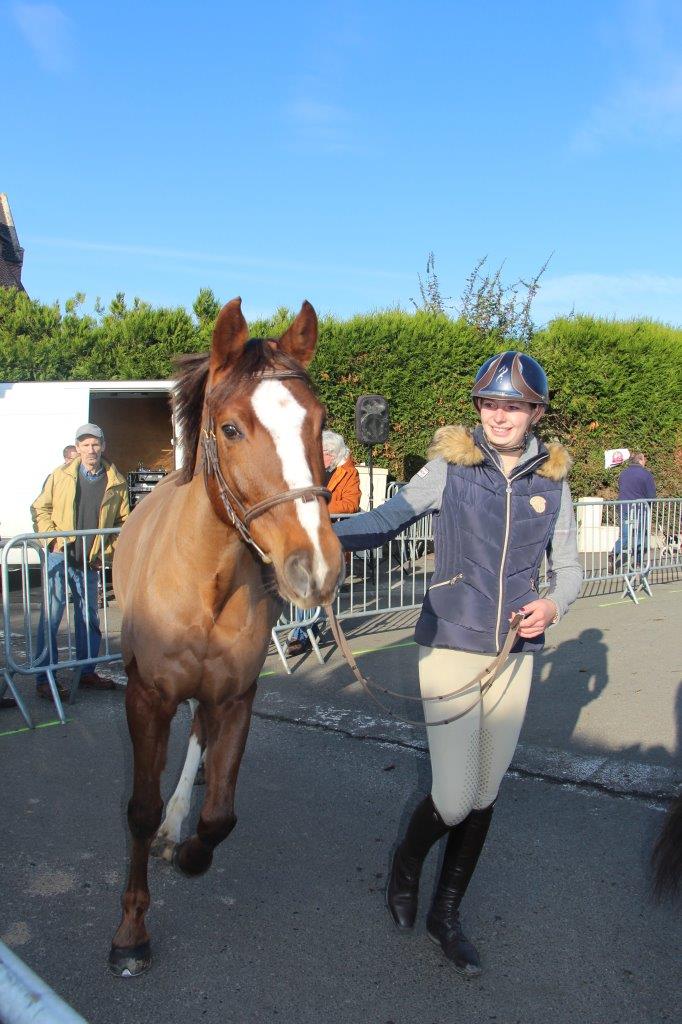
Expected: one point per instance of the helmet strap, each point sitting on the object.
(511, 448)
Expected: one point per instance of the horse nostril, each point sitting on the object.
(298, 570)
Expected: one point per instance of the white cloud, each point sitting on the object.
(47, 30)
(320, 124)
(193, 256)
(633, 294)
(637, 111)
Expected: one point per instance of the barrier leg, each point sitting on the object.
(313, 643)
(15, 693)
(52, 683)
(280, 651)
(629, 589)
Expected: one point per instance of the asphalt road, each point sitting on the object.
(290, 923)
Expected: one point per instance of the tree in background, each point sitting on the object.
(487, 304)
(605, 376)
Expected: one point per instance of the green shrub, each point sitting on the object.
(613, 383)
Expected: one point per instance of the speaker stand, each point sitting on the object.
(371, 478)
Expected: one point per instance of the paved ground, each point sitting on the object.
(290, 924)
(606, 704)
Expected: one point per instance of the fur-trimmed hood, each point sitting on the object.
(457, 444)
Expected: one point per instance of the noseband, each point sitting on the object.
(231, 505)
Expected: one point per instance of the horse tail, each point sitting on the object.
(666, 857)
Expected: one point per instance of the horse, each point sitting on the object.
(200, 570)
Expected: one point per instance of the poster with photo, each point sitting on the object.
(614, 457)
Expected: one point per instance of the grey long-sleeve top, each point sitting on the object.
(423, 495)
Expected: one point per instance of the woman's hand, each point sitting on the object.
(538, 615)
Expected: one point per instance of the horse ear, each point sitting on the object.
(230, 334)
(300, 339)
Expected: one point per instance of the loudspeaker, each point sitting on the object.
(371, 419)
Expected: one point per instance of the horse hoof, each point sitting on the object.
(175, 861)
(163, 848)
(130, 961)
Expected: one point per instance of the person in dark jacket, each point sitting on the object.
(500, 502)
(637, 486)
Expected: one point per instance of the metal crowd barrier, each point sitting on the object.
(629, 540)
(27, 999)
(85, 598)
(389, 579)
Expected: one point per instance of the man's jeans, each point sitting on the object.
(298, 632)
(57, 596)
(635, 526)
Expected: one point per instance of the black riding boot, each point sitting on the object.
(463, 849)
(425, 827)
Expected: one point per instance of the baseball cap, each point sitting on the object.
(89, 430)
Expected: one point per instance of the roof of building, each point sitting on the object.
(11, 253)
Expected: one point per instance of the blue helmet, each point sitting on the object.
(514, 376)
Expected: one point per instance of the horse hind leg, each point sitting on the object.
(168, 835)
(149, 719)
(666, 858)
(227, 727)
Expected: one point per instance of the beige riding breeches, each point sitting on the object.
(470, 756)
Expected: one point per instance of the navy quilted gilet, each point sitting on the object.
(490, 536)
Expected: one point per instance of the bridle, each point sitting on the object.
(229, 508)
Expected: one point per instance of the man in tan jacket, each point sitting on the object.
(85, 494)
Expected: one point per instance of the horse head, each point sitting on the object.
(262, 458)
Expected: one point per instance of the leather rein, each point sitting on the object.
(233, 511)
(486, 677)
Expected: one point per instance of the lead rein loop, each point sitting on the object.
(486, 677)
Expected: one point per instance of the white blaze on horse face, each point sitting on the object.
(283, 417)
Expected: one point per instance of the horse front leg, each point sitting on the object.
(149, 719)
(168, 835)
(227, 727)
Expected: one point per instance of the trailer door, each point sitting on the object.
(37, 421)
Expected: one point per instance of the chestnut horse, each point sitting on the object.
(197, 570)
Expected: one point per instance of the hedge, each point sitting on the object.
(613, 383)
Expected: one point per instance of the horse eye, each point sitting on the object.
(230, 431)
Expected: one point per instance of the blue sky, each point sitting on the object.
(321, 150)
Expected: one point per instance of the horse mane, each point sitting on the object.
(258, 356)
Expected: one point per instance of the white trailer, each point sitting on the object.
(38, 420)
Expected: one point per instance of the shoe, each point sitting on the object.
(443, 926)
(93, 681)
(402, 892)
(296, 647)
(8, 702)
(43, 690)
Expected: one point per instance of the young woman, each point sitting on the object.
(500, 501)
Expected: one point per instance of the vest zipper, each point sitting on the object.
(447, 583)
(525, 469)
(502, 561)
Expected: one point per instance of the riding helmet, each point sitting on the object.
(514, 376)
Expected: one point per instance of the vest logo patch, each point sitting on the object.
(538, 503)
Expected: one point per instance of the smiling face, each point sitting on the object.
(506, 423)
